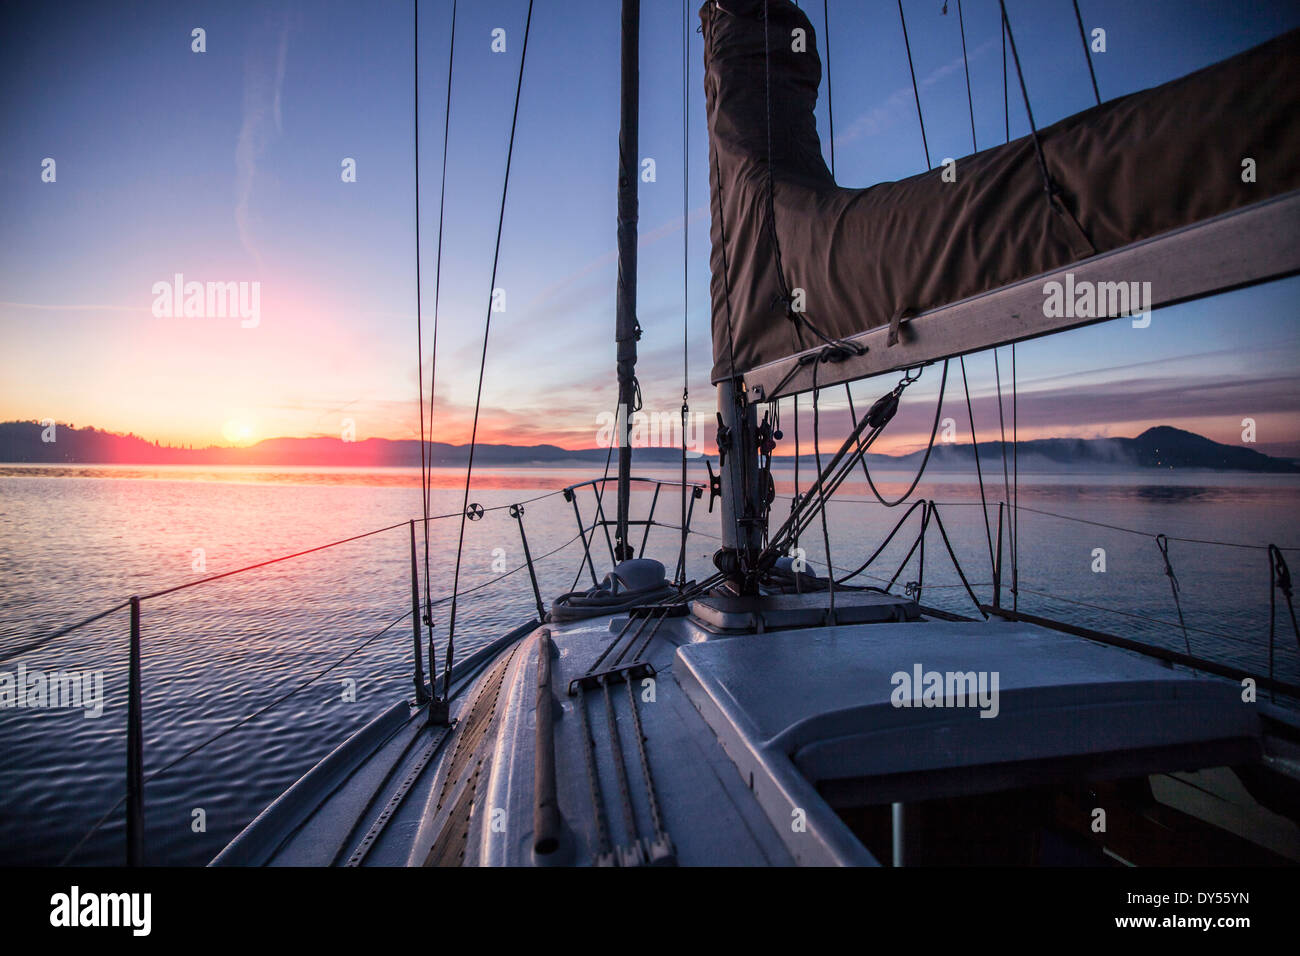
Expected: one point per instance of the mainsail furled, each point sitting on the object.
(1189, 186)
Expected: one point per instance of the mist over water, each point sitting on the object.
(75, 540)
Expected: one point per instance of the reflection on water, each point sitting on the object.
(75, 540)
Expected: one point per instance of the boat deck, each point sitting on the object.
(672, 742)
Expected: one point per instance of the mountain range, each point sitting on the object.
(1160, 447)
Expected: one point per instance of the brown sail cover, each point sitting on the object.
(1130, 169)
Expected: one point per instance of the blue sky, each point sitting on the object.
(225, 166)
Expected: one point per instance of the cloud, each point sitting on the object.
(263, 89)
(900, 102)
(1092, 409)
(74, 308)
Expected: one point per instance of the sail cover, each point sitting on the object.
(862, 259)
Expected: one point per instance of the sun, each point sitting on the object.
(237, 432)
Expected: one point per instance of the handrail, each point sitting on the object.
(134, 795)
(1097, 524)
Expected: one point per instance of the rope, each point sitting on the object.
(1024, 92)
(821, 491)
(1137, 617)
(915, 91)
(884, 544)
(1006, 476)
(794, 502)
(1080, 245)
(680, 578)
(1006, 109)
(419, 308)
(830, 97)
(270, 561)
(934, 430)
(487, 329)
(1279, 576)
(1150, 534)
(1087, 53)
(1015, 481)
(235, 726)
(41, 642)
(1163, 544)
(437, 301)
(965, 62)
(943, 532)
(975, 446)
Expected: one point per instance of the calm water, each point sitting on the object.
(76, 540)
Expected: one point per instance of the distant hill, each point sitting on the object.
(21, 442)
(1161, 447)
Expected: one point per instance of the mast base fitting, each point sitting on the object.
(439, 713)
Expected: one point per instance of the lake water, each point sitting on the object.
(77, 540)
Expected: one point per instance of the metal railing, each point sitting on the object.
(134, 798)
(1279, 583)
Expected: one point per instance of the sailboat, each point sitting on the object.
(771, 715)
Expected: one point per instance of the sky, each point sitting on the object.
(226, 166)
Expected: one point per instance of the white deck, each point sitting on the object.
(743, 737)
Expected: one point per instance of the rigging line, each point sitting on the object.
(235, 726)
(1002, 428)
(843, 460)
(952, 554)
(842, 464)
(883, 545)
(270, 561)
(821, 491)
(505, 574)
(686, 247)
(920, 541)
(40, 642)
(1049, 184)
(1015, 481)
(1087, 53)
(915, 91)
(1006, 109)
(419, 310)
(1279, 579)
(965, 62)
(1137, 617)
(830, 98)
(487, 329)
(934, 430)
(1163, 544)
(598, 492)
(437, 300)
(979, 472)
(1149, 534)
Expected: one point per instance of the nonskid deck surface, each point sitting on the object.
(700, 748)
(417, 795)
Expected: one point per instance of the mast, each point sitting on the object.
(739, 482)
(627, 329)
